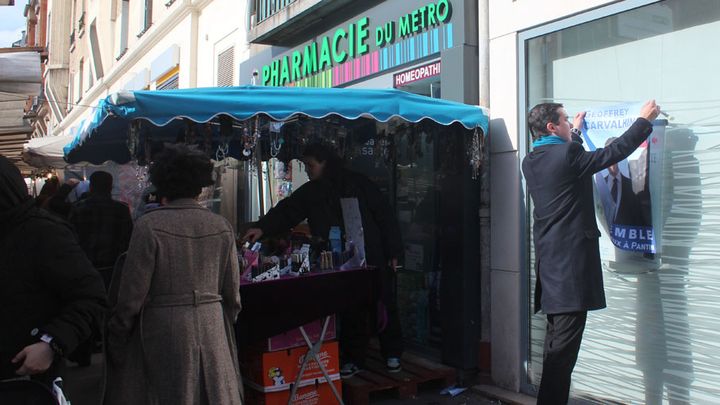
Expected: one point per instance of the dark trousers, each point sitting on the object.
(357, 326)
(562, 344)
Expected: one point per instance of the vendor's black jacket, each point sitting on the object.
(318, 201)
(46, 282)
(559, 180)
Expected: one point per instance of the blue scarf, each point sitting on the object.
(548, 140)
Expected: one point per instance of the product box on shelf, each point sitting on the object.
(294, 338)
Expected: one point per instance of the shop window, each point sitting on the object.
(422, 172)
(656, 340)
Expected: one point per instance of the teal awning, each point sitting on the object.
(98, 138)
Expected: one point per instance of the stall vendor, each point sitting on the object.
(318, 201)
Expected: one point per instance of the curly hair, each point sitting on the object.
(180, 171)
(539, 117)
(325, 153)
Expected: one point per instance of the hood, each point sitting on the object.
(14, 198)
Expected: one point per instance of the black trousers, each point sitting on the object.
(562, 344)
(357, 326)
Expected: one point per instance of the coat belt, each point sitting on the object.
(196, 298)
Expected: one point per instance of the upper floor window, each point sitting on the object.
(147, 17)
(124, 25)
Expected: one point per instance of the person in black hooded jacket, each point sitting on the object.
(51, 298)
(318, 201)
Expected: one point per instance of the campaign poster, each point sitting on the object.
(623, 188)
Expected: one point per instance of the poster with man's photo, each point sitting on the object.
(623, 189)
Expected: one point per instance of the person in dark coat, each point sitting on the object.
(103, 225)
(51, 298)
(48, 190)
(58, 204)
(318, 201)
(569, 277)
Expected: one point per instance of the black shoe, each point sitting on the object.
(349, 370)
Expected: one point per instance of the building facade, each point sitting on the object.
(122, 45)
(420, 46)
(655, 342)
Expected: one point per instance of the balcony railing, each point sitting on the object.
(265, 9)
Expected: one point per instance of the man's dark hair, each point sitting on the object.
(539, 117)
(101, 182)
(324, 153)
(180, 171)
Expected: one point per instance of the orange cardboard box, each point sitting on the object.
(277, 370)
(294, 338)
(313, 394)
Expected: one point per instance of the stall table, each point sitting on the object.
(275, 306)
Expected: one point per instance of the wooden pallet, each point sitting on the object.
(375, 378)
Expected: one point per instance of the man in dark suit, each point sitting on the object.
(569, 278)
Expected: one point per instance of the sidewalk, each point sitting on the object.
(83, 386)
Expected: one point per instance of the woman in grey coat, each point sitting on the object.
(170, 335)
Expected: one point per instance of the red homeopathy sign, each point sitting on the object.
(415, 74)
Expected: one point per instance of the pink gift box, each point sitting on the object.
(294, 338)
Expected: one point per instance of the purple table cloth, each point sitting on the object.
(275, 306)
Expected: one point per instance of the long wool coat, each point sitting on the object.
(559, 180)
(170, 335)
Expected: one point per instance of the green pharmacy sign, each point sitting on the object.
(352, 42)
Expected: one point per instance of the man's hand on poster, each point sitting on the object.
(579, 120)
(650, 110)
(252, 235)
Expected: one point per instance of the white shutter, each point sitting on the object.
(225, 67)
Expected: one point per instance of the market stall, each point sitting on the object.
(263, 130)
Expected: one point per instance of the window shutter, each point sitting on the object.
(225, 63)
(170, 83)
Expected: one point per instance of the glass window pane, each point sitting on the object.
(658, 340)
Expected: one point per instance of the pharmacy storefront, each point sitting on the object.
(411, 45)
(659, 337)
(426, 47)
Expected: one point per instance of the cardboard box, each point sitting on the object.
(293, 337)
(314, 394)
(275, 371)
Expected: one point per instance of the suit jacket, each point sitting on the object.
(567, 257)
(629, 211)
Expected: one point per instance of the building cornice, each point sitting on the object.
(133, 56)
